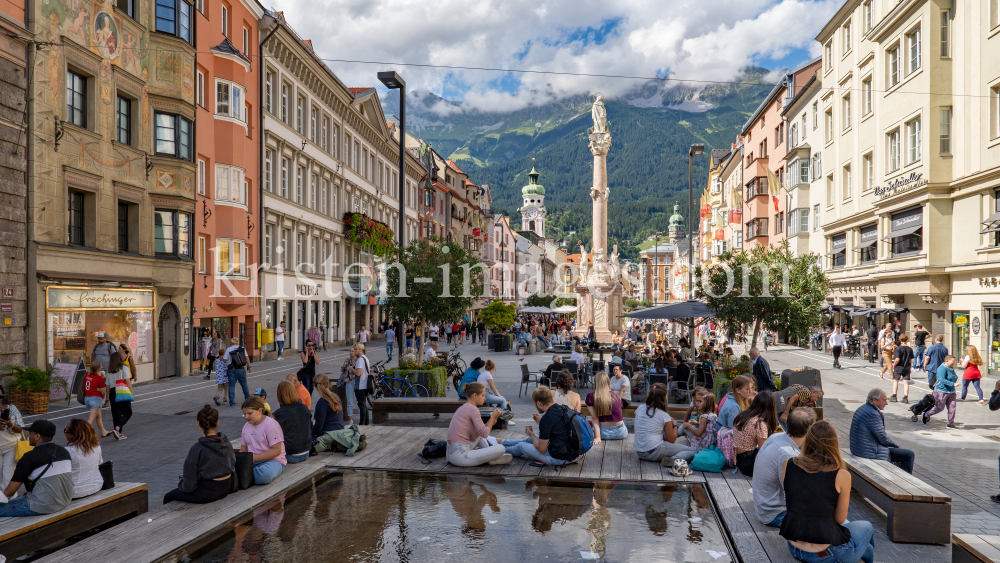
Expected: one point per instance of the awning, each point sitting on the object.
(94, 277)
(903, 232)
(992, 224)
(866, 244)
(835, 252)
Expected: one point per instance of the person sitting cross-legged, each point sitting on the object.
(209, 466)
(768, 492)
(467, 434)
(46, 493)
(656, 436)
(551, 445)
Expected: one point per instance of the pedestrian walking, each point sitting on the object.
(944, 391)
(215, 344)
(902, 362)
(279, 337)
(935, 357)
(309, 362)
(121, 403)
(970, 363)
(871, 336)
(448, 329)
(102, 350)
(481, 329)
(95, 392)
(361, 370)
(322, 335)
(919, 346)
(837, 343)
(364, 335)
(390, 339)
(887, 344)
(221, 380)
(238, 366)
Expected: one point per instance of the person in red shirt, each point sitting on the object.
(94, 394)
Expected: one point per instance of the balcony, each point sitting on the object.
(757, 186)
(757, 228)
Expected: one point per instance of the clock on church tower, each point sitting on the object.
(533, 204)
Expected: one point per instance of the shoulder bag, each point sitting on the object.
(22, 447)
(108, 474)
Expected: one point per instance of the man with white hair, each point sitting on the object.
(868, 437)
(761, 371)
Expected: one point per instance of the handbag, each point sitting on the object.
(22, 447)
(107, 473)
(123, 394)
(709, 459)
(244, 469)
(434, 449)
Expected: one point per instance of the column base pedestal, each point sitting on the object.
(601, 304)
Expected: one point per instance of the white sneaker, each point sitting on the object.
(502, 460)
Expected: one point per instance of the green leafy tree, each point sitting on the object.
(456, 282)
(498, 316)
(766, 285)
(646, 303)
(539, 300)
(631, 303)
(561, 301)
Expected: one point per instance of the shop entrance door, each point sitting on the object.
(168, 326)
(301, 320)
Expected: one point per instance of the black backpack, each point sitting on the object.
(238, 358)
(581, 434)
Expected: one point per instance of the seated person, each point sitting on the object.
(817, 496)
(471, 375)
(541, 337)
(620, 384)
(605, 411)
(262, 436)
(551, 445)
(84, 448)
(467, 445)
(656, 436)
(295, 421)
(751, 429)
(301, 390)
(329, 414)
(493, 397)
(868, 437)
(768, 491)
(793, 396)
(563, 393)
(209, 466)
(706, 360)
(523, 338)
(430, 354)
(578, 356)
(701, 430)
(51, 492)
(555, 367)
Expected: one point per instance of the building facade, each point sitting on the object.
(112, 181)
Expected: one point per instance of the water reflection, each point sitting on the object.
(374, 516)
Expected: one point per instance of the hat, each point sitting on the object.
(235, 340)
(260, 391)
(101, 335)
(680, 469)
(43, 428)
(477, 363)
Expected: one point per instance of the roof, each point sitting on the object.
(360, 89)
(801, 93)
(455, 166)
(575, 259)
(661, 249)
(228, 48)
(718, 155)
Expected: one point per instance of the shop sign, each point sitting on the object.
(961, 321)
(6, 307)
(306, 290)
(476, 231)
(720, 234)
(92, 298)
(735, 216)
(901, 185)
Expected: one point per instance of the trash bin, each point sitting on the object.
(500, 342)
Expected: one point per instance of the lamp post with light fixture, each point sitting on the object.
(696, 149)
(393, 81)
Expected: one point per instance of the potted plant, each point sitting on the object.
(29, 388)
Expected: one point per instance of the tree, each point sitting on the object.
(766, 285)
(498, 316)
(539, 300)
(439, 262)
(646, 303)
(631, 303)
(560, 301)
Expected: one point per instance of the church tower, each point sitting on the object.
(533, 204)
(677, 230)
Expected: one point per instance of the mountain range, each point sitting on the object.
(652, 129)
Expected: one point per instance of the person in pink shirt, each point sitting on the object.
(262, 436)
(467, 434)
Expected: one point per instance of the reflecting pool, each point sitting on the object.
(376, 516)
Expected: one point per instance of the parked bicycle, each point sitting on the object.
(382, 385)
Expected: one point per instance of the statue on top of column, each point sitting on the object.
(599, 114)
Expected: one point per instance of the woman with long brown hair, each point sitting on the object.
(121, 411)
(817, 496)
(605, 410)
(84, 449)
(751, 429)
(656, 437)
(328, 415)
(736, 401)
(293, 416)
(971, 363)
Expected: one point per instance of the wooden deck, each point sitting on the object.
(397, 448)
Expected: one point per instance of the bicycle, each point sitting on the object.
(382, 385)
(456, 368)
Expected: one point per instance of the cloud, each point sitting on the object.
(695, 39)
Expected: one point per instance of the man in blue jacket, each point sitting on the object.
(868, 437)
(471, 374)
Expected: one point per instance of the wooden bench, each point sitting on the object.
(915, 511)
(970, 548)
(382, 408)
(23, 535)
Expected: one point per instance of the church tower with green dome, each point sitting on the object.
(677, 230)
(533, 204)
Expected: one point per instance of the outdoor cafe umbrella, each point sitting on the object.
(544, 310)
(685, 310)
(565, 309)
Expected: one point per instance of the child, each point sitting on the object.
(263, 397)
(690, 413)
(701, 431)
(262, 436)
(94, 394)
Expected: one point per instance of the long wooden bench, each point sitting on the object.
(23, 535)
(915, 511)
(382, 408)
(970, 548)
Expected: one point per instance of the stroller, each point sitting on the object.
(922, 406)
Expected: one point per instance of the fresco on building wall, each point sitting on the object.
(106, 36)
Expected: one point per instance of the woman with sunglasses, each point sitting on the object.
(11, 424)
(309, 362)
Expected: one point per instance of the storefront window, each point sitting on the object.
(907, 232)
(994, 343)
(868, 247)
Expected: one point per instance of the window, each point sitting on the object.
(357, 155)
(269, 244)
(828, 117)
(333, 201)
(286, 243)
(757, 228)
(127, 6)
(325, 134)
(847, 112)
(945, 34)
(803, 171)
(913, 141)
(269, 92)
(869, 172)
(200, 89)
(892, 145)
(123, 226)
(76, 99)
(313, 191)
(907, 231)
(284, 177)
(124, 119)
(172, 231)
(793, 135)
(866, 96)
(201, 177)
(817, 163)
(225, 20)
(778, 222)
(994, 112)
(336, 141)
(268, 170)
(816, 217)
(347, 151)
(300, 108)
(201, 255)
(313, 125)
(804, 220)
(994, 13)
(325, 258)
(246, 41)
(869, 244)
(868, 11)
(828, 56)
(300, 249)
(284, 103)
(913, 51)
(173, 135)
(846, 36)
(945, 131)
(230, 257)
(230, 185)
(300, 174)
(364, 163)
(815, 115)
(324, 197)
(173, 17)
(846, 177)
(829, 191)
(314, 254)
(803, 126)
(738, 239)
(892, 66)
(229, 98)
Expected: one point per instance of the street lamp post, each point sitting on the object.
(696, 149)
(393, 81)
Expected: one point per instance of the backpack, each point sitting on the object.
(709, 459)
(581, 433)
(238, 358)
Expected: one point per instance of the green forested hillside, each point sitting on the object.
(647, 164)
